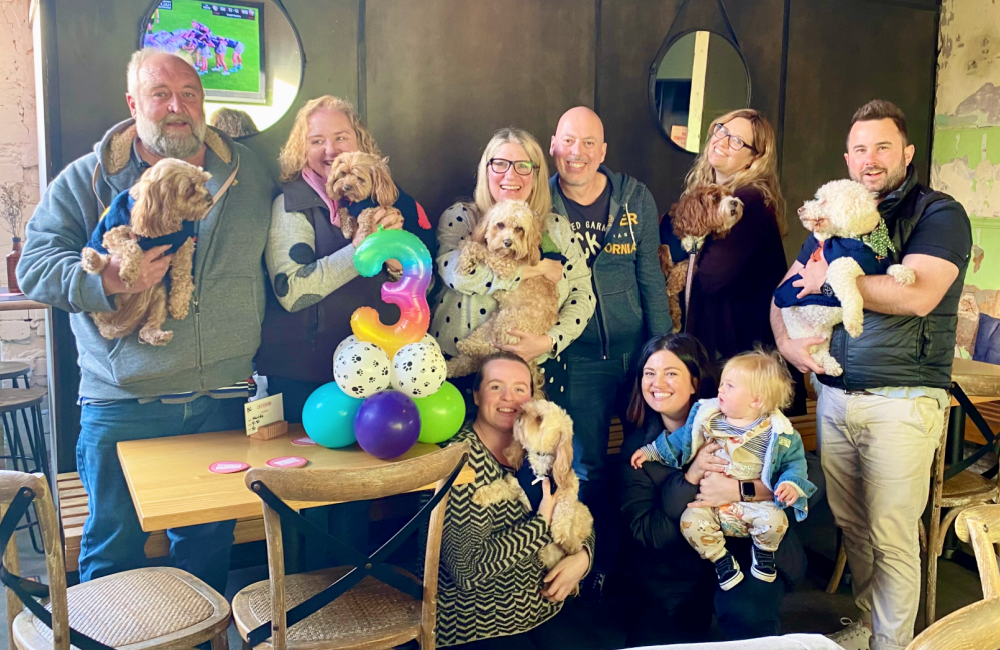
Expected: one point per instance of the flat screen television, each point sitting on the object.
(224, 41)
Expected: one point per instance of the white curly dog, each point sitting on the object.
(853, 238)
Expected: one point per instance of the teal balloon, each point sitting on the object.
(441, 414)
(328, 416)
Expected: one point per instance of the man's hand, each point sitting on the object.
(154, 266)
(813, 276)
(786, 493)
(530, 347)
(549, 269)
(796, 352)
(565, 576)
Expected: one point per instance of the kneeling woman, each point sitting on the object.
(492, 583)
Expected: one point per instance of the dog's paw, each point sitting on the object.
(903, 275)
(348, 224)
(155, 336)
(92, 261)
(550, 555)
(854, 325)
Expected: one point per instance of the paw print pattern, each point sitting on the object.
(418, 369)
(361, 369)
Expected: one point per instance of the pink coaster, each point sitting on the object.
(227, 467)
(285, 462)
(304, 441)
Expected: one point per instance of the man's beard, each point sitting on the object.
(179, 145)
(891, 179)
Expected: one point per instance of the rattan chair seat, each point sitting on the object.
(967, 488)
(143, 606)
(369, 609)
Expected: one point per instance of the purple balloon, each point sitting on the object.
(387, 424)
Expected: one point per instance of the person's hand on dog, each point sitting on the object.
(550, 269)
(813, 276)
(530, 346)
(562, 580)
(155, 264)
(548, 503)
(390, 220)
(796, 352)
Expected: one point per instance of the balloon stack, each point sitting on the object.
(389, 388)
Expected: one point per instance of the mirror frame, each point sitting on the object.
(148, 15)
(654, 68)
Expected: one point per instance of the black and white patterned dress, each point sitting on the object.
(491, 578)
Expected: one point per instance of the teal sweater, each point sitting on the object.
(215, 344)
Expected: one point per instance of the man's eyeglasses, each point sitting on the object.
(521, 167)
(735, 142)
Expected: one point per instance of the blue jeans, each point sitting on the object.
(596, 390)
(112, 540)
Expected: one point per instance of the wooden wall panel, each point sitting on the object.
(837, 61)
(631, 34)
(444, 75)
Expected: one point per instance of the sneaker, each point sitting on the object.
(225, 74)
(728, 570)
(763, 565)
(591, 590)
(854, 636)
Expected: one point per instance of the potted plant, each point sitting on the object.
(12, 217)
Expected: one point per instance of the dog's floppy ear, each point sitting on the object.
(338, 169)
(383, 189)
(514, 454)
(562, 468)
(682, 214)
(479, 232)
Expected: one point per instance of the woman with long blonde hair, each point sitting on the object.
(731, 290)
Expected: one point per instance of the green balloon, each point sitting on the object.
(441, 414)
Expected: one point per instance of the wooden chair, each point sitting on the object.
(954, 489)
(970, 628)
(980, 526)
(144, 609)
(371, 613)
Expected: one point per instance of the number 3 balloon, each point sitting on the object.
(409, 293)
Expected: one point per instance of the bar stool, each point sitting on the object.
(12, 370)
(33, 459)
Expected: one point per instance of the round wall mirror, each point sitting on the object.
(696, 77)
(248, 55)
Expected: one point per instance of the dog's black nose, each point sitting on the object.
(507, 243)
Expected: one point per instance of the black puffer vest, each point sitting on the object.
(300, 345)
(903, 350)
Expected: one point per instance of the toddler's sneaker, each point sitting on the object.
(728, 571)
(854, 636)
(225, 74)
(763, 565)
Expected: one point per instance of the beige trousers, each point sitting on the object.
(876, 453)
(706, 528)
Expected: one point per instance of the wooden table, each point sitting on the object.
(15, 302)
(171, 485)
(981, 382)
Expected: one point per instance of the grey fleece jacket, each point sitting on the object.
(214, 346)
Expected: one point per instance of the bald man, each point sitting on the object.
(130, 390)
(615, 220)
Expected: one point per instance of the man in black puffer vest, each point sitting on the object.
(880, 422)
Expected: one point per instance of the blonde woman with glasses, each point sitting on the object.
(512, 167)
(731, 290)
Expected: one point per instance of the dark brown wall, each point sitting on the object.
(435, 78)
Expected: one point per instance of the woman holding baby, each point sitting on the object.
(731, 290)
(671, 592)
(512, 168)
(494, 592)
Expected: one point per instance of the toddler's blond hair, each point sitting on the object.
(766, 377)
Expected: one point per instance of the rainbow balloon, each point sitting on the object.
(409, 293)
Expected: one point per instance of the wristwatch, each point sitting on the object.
(747, 490)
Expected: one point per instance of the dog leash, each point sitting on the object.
(692, 258)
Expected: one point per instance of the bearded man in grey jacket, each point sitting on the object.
(130, 390)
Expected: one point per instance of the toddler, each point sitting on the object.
(758, 442)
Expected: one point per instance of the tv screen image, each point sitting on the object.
(224, 41)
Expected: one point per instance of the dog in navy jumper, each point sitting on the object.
(160, 209)
(364, 180)
(848, 232)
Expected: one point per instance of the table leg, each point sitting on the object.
(955, 441)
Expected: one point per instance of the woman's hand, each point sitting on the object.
(813, 277)
(530, 346)
(715, 491)
(562, 580)
(549, 269)
(548, 503)
(705, 463)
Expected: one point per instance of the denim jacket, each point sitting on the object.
(784, 462)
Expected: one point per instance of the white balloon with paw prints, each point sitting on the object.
(362, 369)
(418, 369)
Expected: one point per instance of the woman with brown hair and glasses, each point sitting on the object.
(731, 290)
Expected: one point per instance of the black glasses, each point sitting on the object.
(521, 167)
(735, 142)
